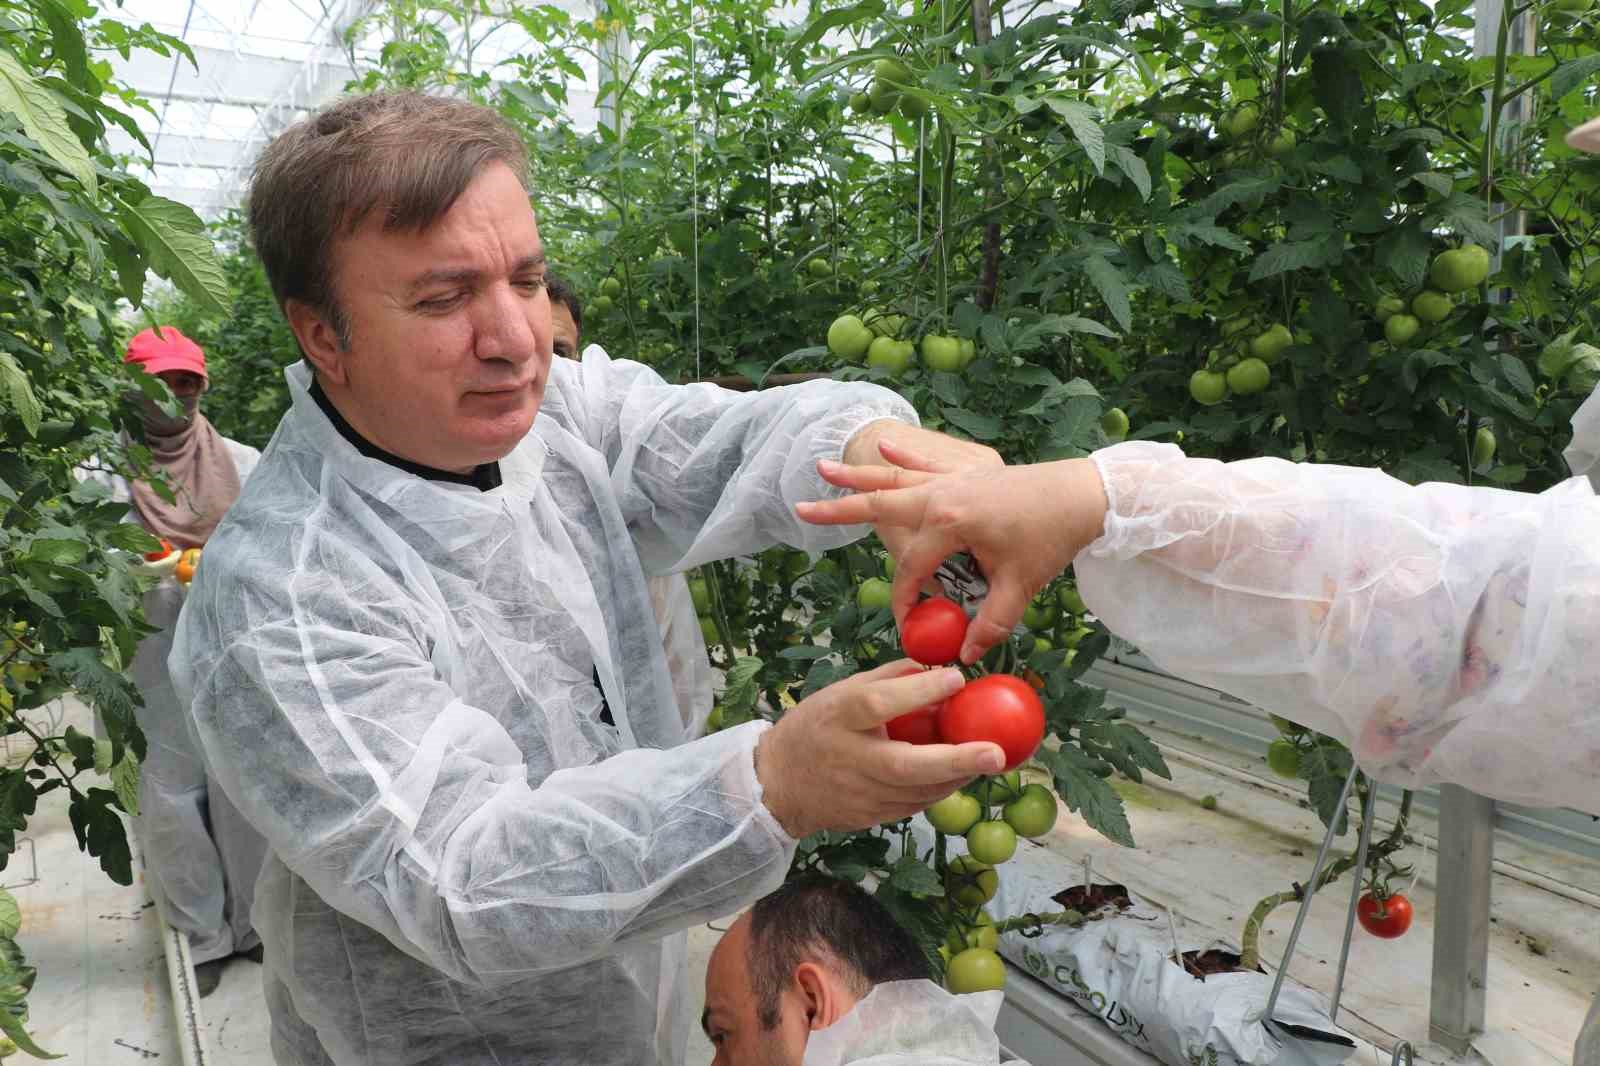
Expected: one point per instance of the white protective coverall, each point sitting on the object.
(200, 854)
(685, 649)
(1445, 633)
(912, 1023)
(393, 679)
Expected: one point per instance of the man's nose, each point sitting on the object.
(502, 328)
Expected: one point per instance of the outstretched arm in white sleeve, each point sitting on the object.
(1444, 632)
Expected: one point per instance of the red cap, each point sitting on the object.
(167, 350)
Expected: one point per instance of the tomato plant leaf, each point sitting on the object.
(1574, 74)
(44, 118)
(10, 916)
(1032, 336)
(20, 392)
(1130, 164)
(915, 877)
(125, 783)
(1080, 119)
(177, 248)
(739, 695)
(1112, 287)
(978, 427)
(1083, 791)
(12, 1026)
(100, 832)
(1284, 257)
(1186, 234)
(111, 693)
(1516, 372)
(1325, 766)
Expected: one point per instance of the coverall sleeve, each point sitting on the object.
(1445, 633)
(706, 473)
(413, 811)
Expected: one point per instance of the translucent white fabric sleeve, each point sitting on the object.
(1446, 633)
(706, 473)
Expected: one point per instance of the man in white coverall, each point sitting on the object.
(419, 655)
(819, 974)
(1446, 633)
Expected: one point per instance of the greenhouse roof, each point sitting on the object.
(259, 65)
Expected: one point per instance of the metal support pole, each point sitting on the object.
(1461, 926)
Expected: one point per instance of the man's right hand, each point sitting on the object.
(828, 764)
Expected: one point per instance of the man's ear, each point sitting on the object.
(825, 998)
(318, 340)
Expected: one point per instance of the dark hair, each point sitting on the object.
(561, 293)
(408, 155)
(816, 915)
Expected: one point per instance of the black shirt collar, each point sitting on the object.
(483, 478)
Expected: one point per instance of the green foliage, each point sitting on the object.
(77, 235)
(247, 345)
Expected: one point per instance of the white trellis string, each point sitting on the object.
(694, 181)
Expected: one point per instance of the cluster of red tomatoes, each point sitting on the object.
(999, 708)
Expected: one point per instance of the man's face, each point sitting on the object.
(564, 330)
(183, 383)
(450, 340)
(730, 1019)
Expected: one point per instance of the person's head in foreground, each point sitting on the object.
(796, 962)
(566, 317)
(397, 234)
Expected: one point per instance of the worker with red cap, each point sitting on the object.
(201, 858)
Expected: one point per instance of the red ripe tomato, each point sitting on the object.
(919, 727)
(999, 708)
(933, 631)
(1388, 918)
(166, 550)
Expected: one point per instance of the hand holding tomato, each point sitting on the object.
(1023, 525)
(829, 764)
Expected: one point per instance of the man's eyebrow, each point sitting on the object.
(469, 275)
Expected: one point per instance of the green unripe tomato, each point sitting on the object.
(1399, 330)
(1282, 144)
(1115, 424)
(1071, 602)
(874, 593)
(1388, 307)
(1270, 346)
(1249, 377)
(1283, 757)
(894, 356)
(1432, 306)
(991, 843)
(819, 267)
(942, 353)
(610, 287)
(971, 883)
(1032, 814)
(1243, 121)
(955, 814)
(1208, 387)
(1483, 447)
(600, 304)
(975, 970)
(848, 337)
(860, 103)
